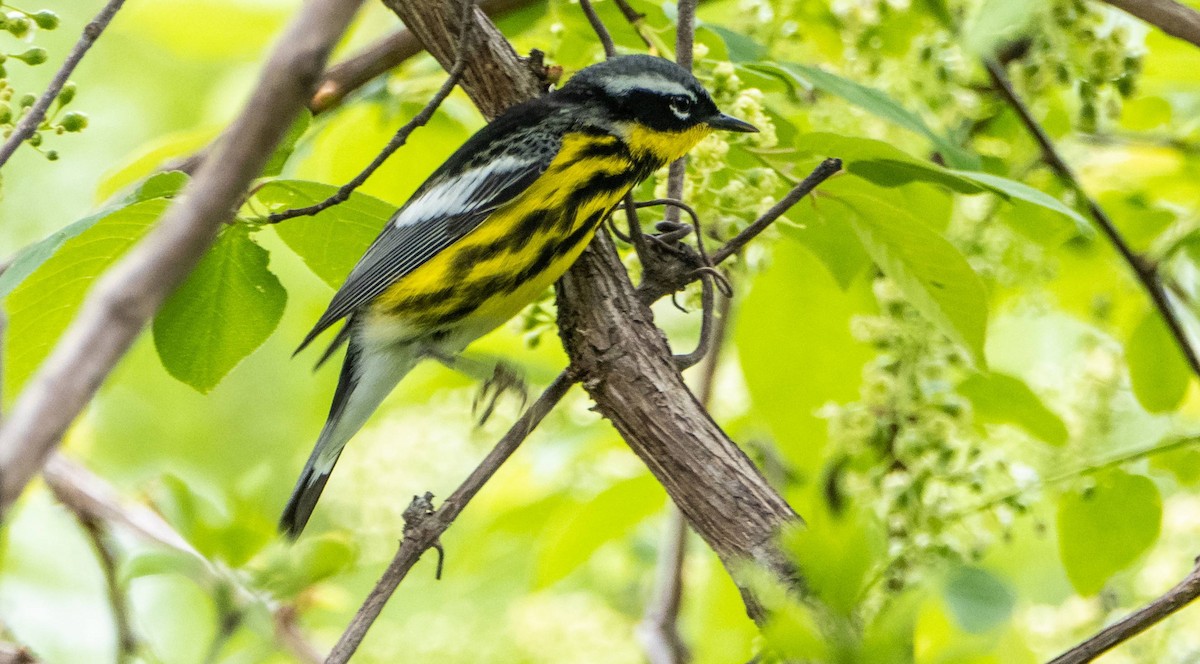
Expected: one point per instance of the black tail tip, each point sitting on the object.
(300, 506)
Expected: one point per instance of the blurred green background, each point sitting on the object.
(964, 392)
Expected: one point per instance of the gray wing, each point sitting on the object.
(443, 211)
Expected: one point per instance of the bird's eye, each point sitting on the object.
(681, 106)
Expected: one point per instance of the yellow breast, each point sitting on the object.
(505, 263)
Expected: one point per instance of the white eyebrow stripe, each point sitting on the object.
(621, 84)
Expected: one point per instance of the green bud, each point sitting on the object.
(74, 121)
(34, 56)
(27, 100)
(67, 94)
(35, 140)
(5, 114)
(52, 155)
(18, 25)
(46, 19)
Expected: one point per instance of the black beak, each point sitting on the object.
(730, 123)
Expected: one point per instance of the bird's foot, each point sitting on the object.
(505, 378)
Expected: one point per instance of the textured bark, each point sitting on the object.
(621, 357)
(129, 293)
(495, 76)
(625, 364)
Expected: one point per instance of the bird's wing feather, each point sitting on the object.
(444, 210)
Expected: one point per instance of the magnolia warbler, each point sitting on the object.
(495, 226)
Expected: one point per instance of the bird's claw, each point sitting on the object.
(504, 379)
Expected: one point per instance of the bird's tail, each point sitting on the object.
(368, 376)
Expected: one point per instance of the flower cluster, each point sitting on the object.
(911, 444)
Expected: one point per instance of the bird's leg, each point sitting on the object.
(498, 377)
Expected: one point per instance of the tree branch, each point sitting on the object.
(106, 556)
(623, 359)
(1176, 598)
(127, 296)
(398, 139)
(1143, 269)
(1167, 15)
(659, 629)
(29, 123)
(93, 499)
(425, 527)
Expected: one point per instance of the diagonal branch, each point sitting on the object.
(125, 298)
(29, 123)
(1144, 270)
(423, 531)
(1176, 598)
(1169, 16)
(398, 139)
(93, 499)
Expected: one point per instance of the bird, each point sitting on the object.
(495, 226)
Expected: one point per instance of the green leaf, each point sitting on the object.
(1182, 462)
(837, 555)
(288, 145)
(797, 304)
(977, 599)
(158, 561)
(1014, 191)
(331, 242)
(1157, 371)
(1006, 399)
(1105, 528)
(607, 517)
(826, 230)
(161, 185)
(934, 276)
(741, 48)
(887, 166)
(225, 309)
(324, 556)
(998, 22)
(48, 296)
(874, 101)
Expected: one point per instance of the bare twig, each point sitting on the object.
(1135, 623)
(705, 343)
(401, 136)
(127, 295)
(823, 172)
(1144, 270)
(31, 120)
(288, 634)
(659, 630)
(685, 34)
(1169, 16)
(635, 18)
(606, 39)
(106, 556)
(347, 76)
(90, 497)
(423, 531)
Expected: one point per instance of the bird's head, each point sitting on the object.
(657, 104)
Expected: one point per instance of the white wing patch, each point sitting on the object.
(618, 85)
(460, 195)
